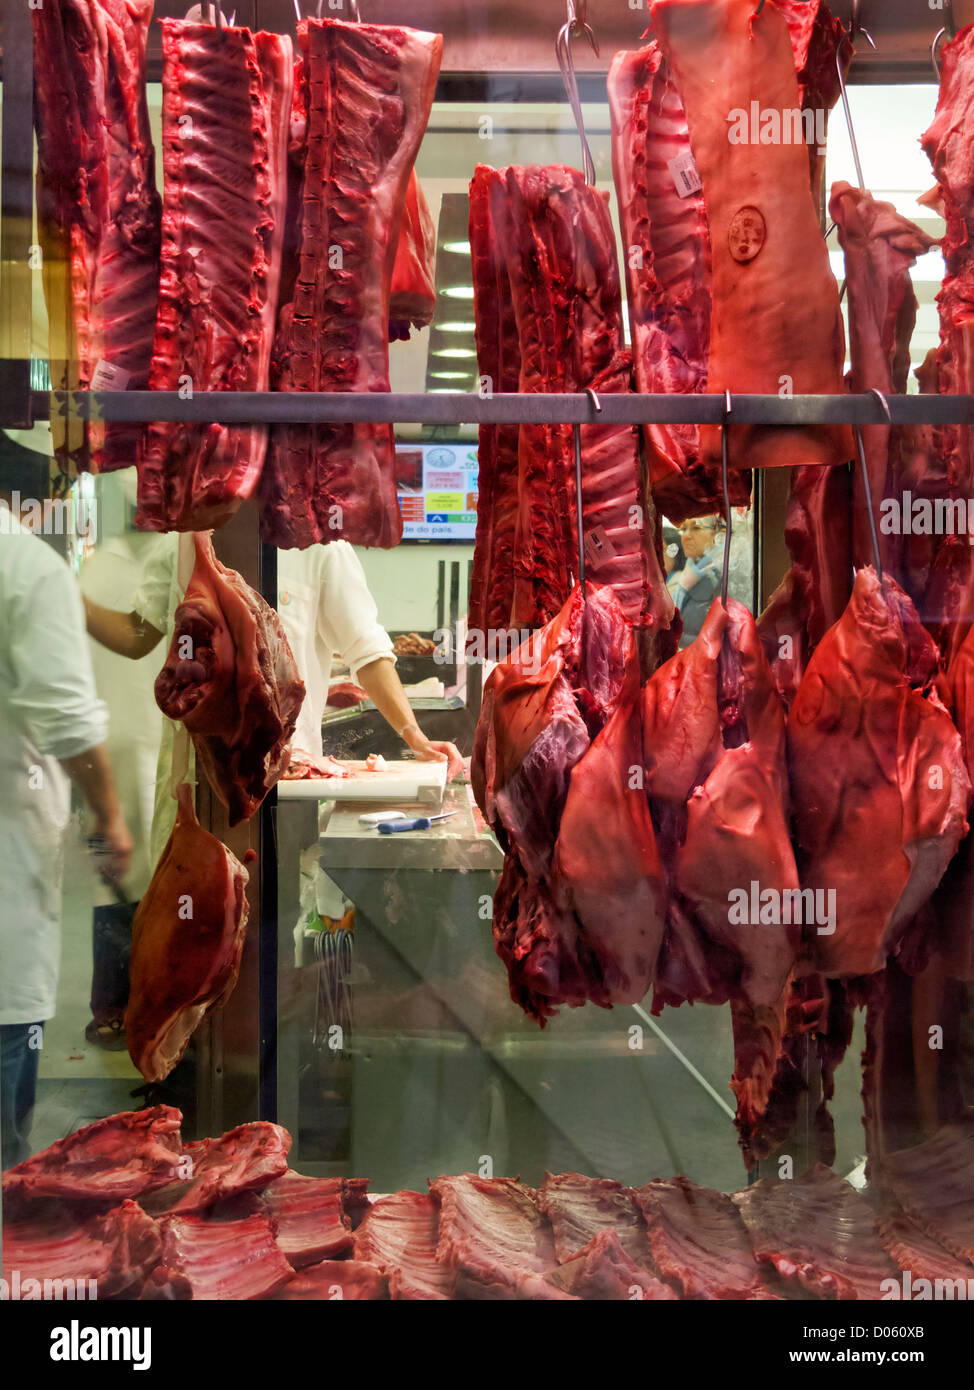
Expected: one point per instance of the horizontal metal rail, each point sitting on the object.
(532, 408)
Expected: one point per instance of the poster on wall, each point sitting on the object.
(437, 487)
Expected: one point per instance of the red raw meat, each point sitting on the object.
(231, 680)
(227, 1254)
(399, 1235)
(555, 238)
(244, 1159)
(344, 694)
(818, 1233)
(106, 1256)
(368, 89)
(603, 1271)
(187, 941)
(880, 247)
(816, 37)
(934, 1184)
(877, 776)
(98, 212)
(775, 303)
(499, 361)
(541, 709)
(342, 1280)
(494, 1238)
(954, 901)
(308, 1218)
(300, 768)
(412, 296)
(122, 1156)
(227, 98)
(919, 1254)
(582, 1209)
(698, 1240)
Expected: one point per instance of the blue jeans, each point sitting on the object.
(18, 1085)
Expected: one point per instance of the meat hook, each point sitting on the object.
(948, 32)
(596, 403)
(576, 25)
(728, 515)
(850, 38)
(577, 441)
(866, 487)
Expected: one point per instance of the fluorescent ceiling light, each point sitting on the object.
(458, 292)
(446, 391)
(454, 326)
(459, 248)
(454, 352)
(451, 376)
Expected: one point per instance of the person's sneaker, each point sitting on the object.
(110, 1036)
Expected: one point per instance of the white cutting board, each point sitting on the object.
(399, 781)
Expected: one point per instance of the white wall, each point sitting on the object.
(404, 583)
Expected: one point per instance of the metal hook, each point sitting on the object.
(576, 26)
(850, 38)
(866, 486)
(577, 441)
(728, 516)
(353, 11)
(596, 403)
(942, 36)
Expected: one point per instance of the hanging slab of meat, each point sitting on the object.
(949, 144)
(877, 778)
(227, 99)
(934, 1184)
(368, 89)
(342, 1280)
(817, 1233)
(556, 239)
(244, 1159)
(499, 359)
(579, 1208)
(308, 1218)
(921, 1256)
(412, 296)
(602, 1271)
(881, 248)
(542, 707)
(398, 1235)
(954, 901)
(816, 37)
(494, 1238)
(698, 1240)
(98, 213)
(106, 1256)
(607, 873)
(187, 941)
(231, 679)
(108, 1161)
(227, 1254)
(775, 303)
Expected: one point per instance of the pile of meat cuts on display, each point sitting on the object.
(767, 821)
(293, 242)
(131, 1211)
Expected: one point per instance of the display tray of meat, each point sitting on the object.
(133, 1210)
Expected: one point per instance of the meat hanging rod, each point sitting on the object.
(579, 518)
(503, 408)
(728, 509)
(576, 25)
(866, 485)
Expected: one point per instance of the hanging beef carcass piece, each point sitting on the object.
(954, 901)
(775, 303)
(714, 752)
(555, 241)
(576, 917)
(412, 297)
(187, 941)
(880, 248)
(113, 1159)
(98, 213)
(499, 362)
(368, 89)
(103, 1256)
(227, 99)
(879, 787)
(231, 679)
(667, 243)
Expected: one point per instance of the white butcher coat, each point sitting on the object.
(325, 607)
(48, 710)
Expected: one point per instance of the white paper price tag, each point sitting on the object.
(107, 377)
(683, 170)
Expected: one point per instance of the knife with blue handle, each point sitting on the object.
(393, 827)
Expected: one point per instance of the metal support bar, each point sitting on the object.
(533, 408)
(16, 212)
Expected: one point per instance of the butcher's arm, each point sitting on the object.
(125, 634)
(381, 683)
(92, 774)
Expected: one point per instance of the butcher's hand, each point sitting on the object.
(114, 852)
(432, 751)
